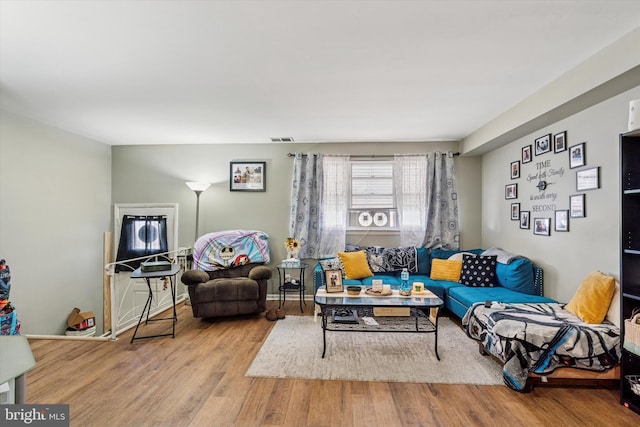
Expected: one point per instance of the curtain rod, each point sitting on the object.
(370, 156)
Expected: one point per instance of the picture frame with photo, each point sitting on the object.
(562, 220)
(577, 206)
(511, 191)
(247, 176)
(588, 179)
(543, 144)
(542, 226)
(526, 154)
(524, 219)
(577, 155)
(560, 142)
(515, 169)
(515, 211)
(333, 279)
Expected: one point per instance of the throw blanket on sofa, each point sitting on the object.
(541, 337)
(225, 249)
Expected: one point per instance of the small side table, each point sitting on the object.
(147, 276)
(295, 285)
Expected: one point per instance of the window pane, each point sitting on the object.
(366, 169)
(372, 184)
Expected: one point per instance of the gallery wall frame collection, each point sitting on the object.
(544, 212)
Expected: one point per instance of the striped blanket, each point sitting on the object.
(541, 337)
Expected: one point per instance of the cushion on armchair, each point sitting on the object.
(228, 292)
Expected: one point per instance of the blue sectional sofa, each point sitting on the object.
(518, 280)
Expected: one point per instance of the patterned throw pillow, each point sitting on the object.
(375, 258)
(332, 264)
(478, 271)
(398, 258)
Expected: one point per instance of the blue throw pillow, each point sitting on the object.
(517, 276)
(424, 261)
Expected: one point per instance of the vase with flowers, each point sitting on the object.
(292, 245)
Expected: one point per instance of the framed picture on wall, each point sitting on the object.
(515, 211)
(577, 156)
(515, 169)
(511, 191)
(526, 154)
(542, 226)
(524, 219)
(247, 176)
(577, 206)
(588, 179)
(562, 220)
(543, 144)
(560, 142)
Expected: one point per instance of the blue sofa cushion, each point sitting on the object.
(387, 278)
(517, 276)
(479, 271)
(467, 295)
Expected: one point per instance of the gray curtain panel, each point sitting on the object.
(306, 199)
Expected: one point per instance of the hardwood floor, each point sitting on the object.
(197, 379)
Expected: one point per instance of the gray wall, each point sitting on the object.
(592, 242)
(152, 174)
(55, 190)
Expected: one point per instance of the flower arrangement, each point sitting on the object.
(292, 245)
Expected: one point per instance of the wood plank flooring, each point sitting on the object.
(197, 379)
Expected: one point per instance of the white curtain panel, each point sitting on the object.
(410, 176)
(335, 204)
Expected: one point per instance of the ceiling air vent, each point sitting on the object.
(285, 139)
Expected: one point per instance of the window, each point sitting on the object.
(372, 201)
(141, 236)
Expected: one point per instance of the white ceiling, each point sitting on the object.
(175, 72)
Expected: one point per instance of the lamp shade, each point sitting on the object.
(198, 186)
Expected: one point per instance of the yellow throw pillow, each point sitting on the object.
(355, 265)
(593, 297)
(443, 269)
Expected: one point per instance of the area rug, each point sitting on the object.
(293, 349)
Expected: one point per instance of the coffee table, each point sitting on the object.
(423, 310)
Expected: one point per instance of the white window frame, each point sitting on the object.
(371, 217)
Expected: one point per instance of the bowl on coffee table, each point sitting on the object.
(354, 290)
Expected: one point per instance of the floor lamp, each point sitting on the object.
(198, 188)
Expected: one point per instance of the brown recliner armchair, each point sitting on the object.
(228, 292)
